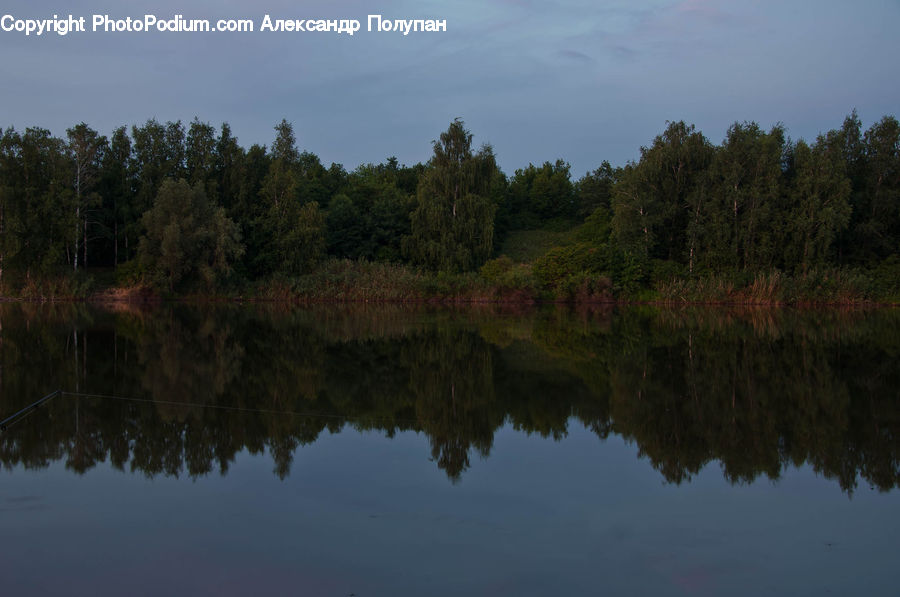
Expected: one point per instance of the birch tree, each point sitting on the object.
(453, 224)
(85, 146)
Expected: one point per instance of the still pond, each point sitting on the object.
(402, 450)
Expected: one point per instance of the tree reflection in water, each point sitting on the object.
(754, 390)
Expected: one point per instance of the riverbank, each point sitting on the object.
(499, 281)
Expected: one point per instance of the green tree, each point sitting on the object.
(741, 223)
(539, 193)
(819, 197)
(188, 238)
(244, 204)
(652, 207)
(300, 244)
(200, 155)
(344, 228)
(879, 227)
(229, 169)
(37, 203)
(158, 154)
(552, 193)
(290, 234)
(848, 140)
(10, 170)
(280, 184)
(313, 180)
(595, 189)
(278, 193)
(370, 219)
(117, 186)
(453, 224)
(86, 147)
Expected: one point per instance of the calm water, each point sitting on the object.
(422, 451)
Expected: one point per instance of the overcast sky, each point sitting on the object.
(581, 80)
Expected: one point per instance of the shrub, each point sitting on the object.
(561, 262)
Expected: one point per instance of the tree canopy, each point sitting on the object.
(188, 239)
(758, 203)
(453, 224)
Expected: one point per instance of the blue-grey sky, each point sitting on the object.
(581, 80)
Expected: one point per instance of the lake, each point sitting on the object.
(418, 450)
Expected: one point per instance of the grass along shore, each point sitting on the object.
(499, 280)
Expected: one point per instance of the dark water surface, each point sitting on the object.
(391, 450)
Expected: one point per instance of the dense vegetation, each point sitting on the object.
(758, 218)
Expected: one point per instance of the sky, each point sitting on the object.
(579, 80)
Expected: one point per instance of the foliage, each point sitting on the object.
(884, 280)
(758, 217)
(742, 219)
(528, 245)
(188, 238)
(289, 236)
(86, 148)
(819, 195)
(539, 193)
(561, 263)
(652, 211)
(504, 274)
(595, 189)
(37, 225)
(373, 216)
(452, 225)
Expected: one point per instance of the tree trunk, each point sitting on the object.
(2, 236)
(455, 198)
(77, 234)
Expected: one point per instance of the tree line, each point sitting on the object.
(187, 208)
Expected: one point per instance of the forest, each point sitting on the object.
(173, 211)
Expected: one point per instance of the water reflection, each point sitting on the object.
(754, 390)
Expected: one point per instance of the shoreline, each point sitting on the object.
(337, 281)
(442, 301)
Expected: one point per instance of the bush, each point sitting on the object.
(64, 287)
(826, 285)
(583, 287)
(495, 269)
(130, 272)
(504, 275)
(666, 271)
(560, 263)
(629, 273)
(884, 280)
